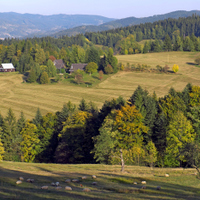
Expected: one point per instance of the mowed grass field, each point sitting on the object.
(111, 183)
(50, 98)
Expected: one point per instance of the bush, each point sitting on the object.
(175, 68)
(44, 78)
(108, 69)
(197, 60)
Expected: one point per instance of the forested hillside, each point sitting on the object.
(130, 21)
(147, 130)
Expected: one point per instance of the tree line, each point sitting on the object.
(144, 130)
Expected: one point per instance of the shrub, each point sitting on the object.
(44, 78)
(197, 60)
(175, 68)
(108, 69)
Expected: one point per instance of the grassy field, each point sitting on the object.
(111, 183)
(50, 98)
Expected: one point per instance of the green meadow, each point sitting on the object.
(111, 183)
(50, 98)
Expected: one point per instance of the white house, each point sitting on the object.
(7, 67)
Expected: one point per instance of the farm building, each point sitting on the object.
(59, 64)
(7, 67)
(75, 67)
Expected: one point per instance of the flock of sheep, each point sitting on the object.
(68, 188)
(57, 184)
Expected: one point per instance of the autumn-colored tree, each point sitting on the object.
(175, 68)
(52, 58)
(1, 146)
(100, 74)
(126, 130)
(30, 143)
(195, 96)
(151, 153)
(180, 132)
(73, 145)
(91, 68)
(108, 69)
(44, 78)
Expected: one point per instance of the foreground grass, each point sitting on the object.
(111, 183)
(50, 98)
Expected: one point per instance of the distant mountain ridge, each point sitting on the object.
(33, 25)
(21, 25)
(125, 22)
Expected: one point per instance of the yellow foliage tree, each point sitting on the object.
(175, 68)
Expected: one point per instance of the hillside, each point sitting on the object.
(125, 22)
(50, 98)
(21, 25)
(111, 183)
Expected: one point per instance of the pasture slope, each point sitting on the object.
(111, 183)
(50, 98)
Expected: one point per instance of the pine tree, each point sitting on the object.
(38, 118)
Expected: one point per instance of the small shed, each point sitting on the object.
(76, 66)
(59, 64)
(7, 67)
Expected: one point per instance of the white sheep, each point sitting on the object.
(166, 175)
(75, 180)
(57, 184)
(143, 182)
(68, 188)
(21, 178)
(93, 176)
(18, 182)
(84, 177)
(135, 183)
(45, 187)
(86, 190)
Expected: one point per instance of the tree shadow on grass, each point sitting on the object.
(33, 191)
(190, 63)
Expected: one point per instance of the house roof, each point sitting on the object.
(7, 66)
(76, 66)
(59, 64)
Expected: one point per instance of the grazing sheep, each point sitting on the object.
(21, 178)
(135, 183)
(84, 177)
(158, 188)
(143, 187)
(57, 184)
(29, 180)
(143, 182)
(45, 187)
(86, 190)
(93, 176)
(75, 180)
(166, 175)
(68, 181)
(94, 183)
(68, 188)
(53, 184)
(18, 182)
(58, 188)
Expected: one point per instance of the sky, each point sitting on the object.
(109, 8)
